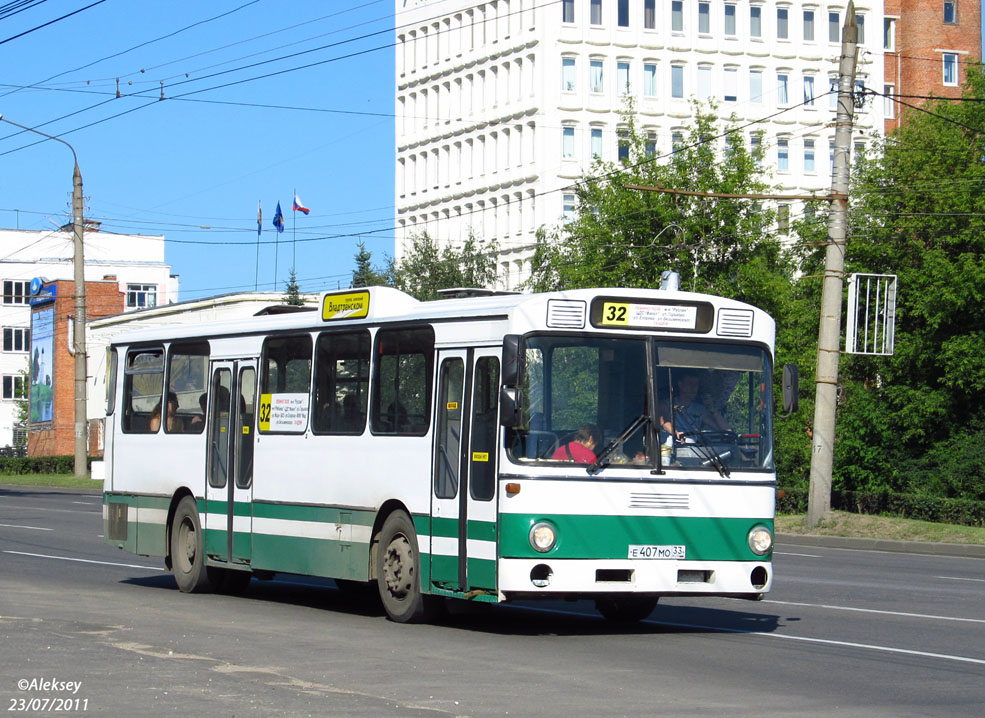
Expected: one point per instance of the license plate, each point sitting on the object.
(657, 552)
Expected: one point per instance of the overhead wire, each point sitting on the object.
(51, 22)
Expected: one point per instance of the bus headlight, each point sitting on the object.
(760, 540)
(543, 537)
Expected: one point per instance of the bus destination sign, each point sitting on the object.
(669, 316)
(351, 305)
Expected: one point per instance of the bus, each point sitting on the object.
(604, 444)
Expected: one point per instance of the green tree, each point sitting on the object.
(292, 291)
(365, 274)
(425, 267)
(907, 421)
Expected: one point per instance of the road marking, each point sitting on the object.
(956, 578)
(15, 526)
(787, 553)
(89, 503)
(875, 610)
(57, 511)
(85, 560)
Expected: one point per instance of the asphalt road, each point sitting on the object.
(844, 633)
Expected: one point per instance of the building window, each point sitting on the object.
(889, 33)
(950, 12)
(16, 339)
(568, 142)
(595, 76)
(889, 105)
(731, 84)
(783, 218)
(782, 82)
(783, 155)
(833, 93)
(756, 86)
(622, 13)
(950, 69)
(677, 81)
(704, 82)
(809, 90)
(141, 296)
(650, 80)
(597, 143)
(730, 21)
(567, 74)
(623, 146)
(651, 144)
(704, 18)
(567, 10)
(782, 23)
(860, 20)
(650, 14)
(622, 77)
(15, 291)
(596, 14)
(809, 156)
(14, 387)
(834, 27)
(755, 21)
(756, 149)
(676, 140)
(808, 26)
(831, 156)
(568, 208)
(677, 16)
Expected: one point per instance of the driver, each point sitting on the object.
(691, 414)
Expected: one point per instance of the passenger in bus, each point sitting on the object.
(582, 448)
(174, 424)
(197, 423)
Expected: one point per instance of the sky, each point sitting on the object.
(194, 166)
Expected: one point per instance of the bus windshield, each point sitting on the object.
(591, 401)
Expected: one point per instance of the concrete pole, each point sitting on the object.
(81, 421)
(829, 332)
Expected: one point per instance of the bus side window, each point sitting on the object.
(188, 375)
(402, 381)
(341, 383)
(286, 369)
(142, 391)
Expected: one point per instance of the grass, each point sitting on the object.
(842, 523)
(61, 481)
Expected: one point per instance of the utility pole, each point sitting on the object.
(79, 337)
(829, 331)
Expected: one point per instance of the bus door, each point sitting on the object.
(229, 486)
(463, 506)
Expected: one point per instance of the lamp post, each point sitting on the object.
(80, 306)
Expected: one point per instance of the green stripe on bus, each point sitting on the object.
(311, 556)
(609, 537)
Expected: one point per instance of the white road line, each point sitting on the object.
(15, 526)
(85, 560)
(956, 578)
(787, 553)
(875, 610)
(89, 503)
(57, 511)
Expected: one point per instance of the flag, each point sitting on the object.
(259, 219)
(279, 219)
(298, 207)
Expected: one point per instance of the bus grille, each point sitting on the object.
(734, 323)
(676, 502)
(566, 314)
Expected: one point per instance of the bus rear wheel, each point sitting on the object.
(626, 609)
(187, 549)
(398, 571)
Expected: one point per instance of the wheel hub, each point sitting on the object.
(398, 567)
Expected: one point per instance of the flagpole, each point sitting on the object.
(294, 231)
(256, 271)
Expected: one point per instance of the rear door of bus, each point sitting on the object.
(463, 496)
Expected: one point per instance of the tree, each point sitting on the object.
(908, 420)
(365, 274)
(292, 291)
(425, 268)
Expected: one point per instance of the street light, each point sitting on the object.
(80, 306)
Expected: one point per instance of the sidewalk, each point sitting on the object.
(960, 550)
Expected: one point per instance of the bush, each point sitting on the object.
(17, 466)
(966, 512)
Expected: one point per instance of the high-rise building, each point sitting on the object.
(502, 105)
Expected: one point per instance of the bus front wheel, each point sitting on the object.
(187, 549)
(626, 609)
(398, 571)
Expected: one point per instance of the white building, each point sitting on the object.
(501, 105)
(136, 262)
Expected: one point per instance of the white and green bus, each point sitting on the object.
(604, 444)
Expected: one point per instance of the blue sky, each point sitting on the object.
(193, 168)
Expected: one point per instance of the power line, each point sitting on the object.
(51, 22)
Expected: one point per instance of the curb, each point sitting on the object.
(959, 550)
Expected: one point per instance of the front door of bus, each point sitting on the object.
(229, 486)
(463, 505)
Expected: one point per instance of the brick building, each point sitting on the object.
(927, 45)
(52, 375)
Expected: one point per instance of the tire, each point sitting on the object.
(398, 572)
(228, 581)
(626, 609)
(187, 549)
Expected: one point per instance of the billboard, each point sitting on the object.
(42, 365)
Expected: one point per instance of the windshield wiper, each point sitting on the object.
(634, 425)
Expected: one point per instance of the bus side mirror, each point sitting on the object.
(510, 406)
(791, 389)
(512, 354)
